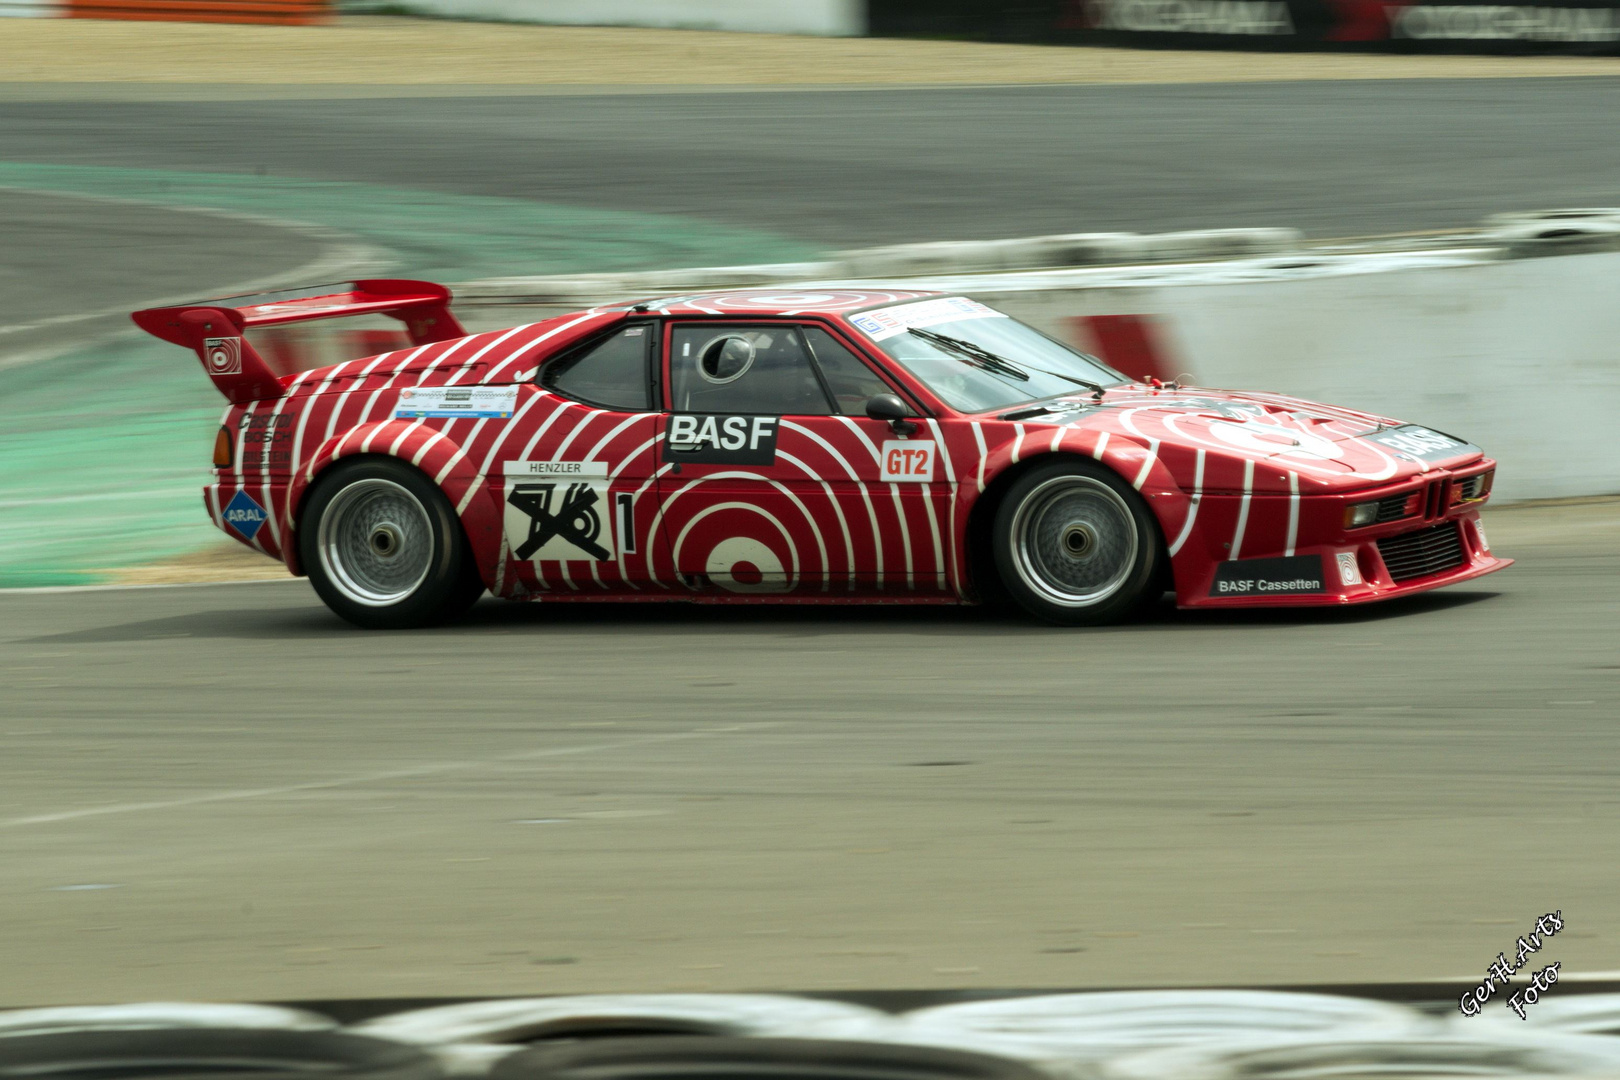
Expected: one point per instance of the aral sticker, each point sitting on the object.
(1269, 577)
(1422, 443)
(577, 470)
(562, 519)
(887, 322)
(479, 402)
(908, 459)
(244, 514)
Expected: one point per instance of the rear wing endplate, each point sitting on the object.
(214, 329)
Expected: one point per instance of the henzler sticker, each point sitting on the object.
(577, 470)
(479, 402)
(721, 440)
(1422, 443)
(1292, 575)
(908, 459)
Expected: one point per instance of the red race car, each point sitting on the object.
(796, 447)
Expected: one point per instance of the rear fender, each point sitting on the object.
(439, 458)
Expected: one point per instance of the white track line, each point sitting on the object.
(367, 778)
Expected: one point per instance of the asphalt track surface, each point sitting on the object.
(221, 792)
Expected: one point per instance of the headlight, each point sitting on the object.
(1358, 514)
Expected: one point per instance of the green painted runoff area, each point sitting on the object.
(103, 451)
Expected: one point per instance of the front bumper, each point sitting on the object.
(1442, 544)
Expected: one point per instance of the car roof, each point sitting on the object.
(787, 300)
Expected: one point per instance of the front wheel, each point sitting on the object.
(384, 549)
(1075, 545)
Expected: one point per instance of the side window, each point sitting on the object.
(850, 381)
(744, 369)
(613, 373)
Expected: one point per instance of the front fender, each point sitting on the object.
(440, 458)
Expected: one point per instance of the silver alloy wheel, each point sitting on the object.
(1074, 541)
(376, 542)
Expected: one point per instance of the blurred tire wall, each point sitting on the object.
(1562, 26)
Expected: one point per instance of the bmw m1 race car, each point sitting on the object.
(809, 447)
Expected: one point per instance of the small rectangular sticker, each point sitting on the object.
(908, 459)
(578, 470)
(478, 402)
(1349, 572)
(887, 322)
(1290, 576)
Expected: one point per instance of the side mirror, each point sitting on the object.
(890, 408)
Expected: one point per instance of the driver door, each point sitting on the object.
(774, 481)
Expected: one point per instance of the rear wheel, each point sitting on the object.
(1074, 545)
(384, 549)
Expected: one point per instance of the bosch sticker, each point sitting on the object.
(908, 459)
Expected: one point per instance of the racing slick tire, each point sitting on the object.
(384, 548)
(1074, 545)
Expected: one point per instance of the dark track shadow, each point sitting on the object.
(314, 622)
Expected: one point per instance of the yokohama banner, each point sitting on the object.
(1391, 25)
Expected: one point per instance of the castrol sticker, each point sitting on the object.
(909, 459)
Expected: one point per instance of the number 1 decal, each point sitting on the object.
(627, 521)
(908, 459)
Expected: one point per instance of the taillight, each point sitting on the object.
(224, 455)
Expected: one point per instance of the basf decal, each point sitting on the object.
(244, 514)
(479, 402)
(565, 519)
(1269, 577)
(721, 440)
(1421, 443)
(908, 459)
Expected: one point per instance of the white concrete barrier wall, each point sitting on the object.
(831, 18)
(1521, 357)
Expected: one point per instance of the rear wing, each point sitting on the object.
(215, 329)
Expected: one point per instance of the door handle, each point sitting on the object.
(687, 447)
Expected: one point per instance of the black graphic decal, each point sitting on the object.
(575, 521)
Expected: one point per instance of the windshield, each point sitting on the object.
(1033, 366)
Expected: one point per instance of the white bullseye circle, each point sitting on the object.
(742, 564)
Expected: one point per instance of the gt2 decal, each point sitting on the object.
(1269, 577)
(480, 402)
(1422, 443)
(563, 520)
(909, 459)
(721, 440)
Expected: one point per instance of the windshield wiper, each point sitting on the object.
(974, 354)
(994, 362)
